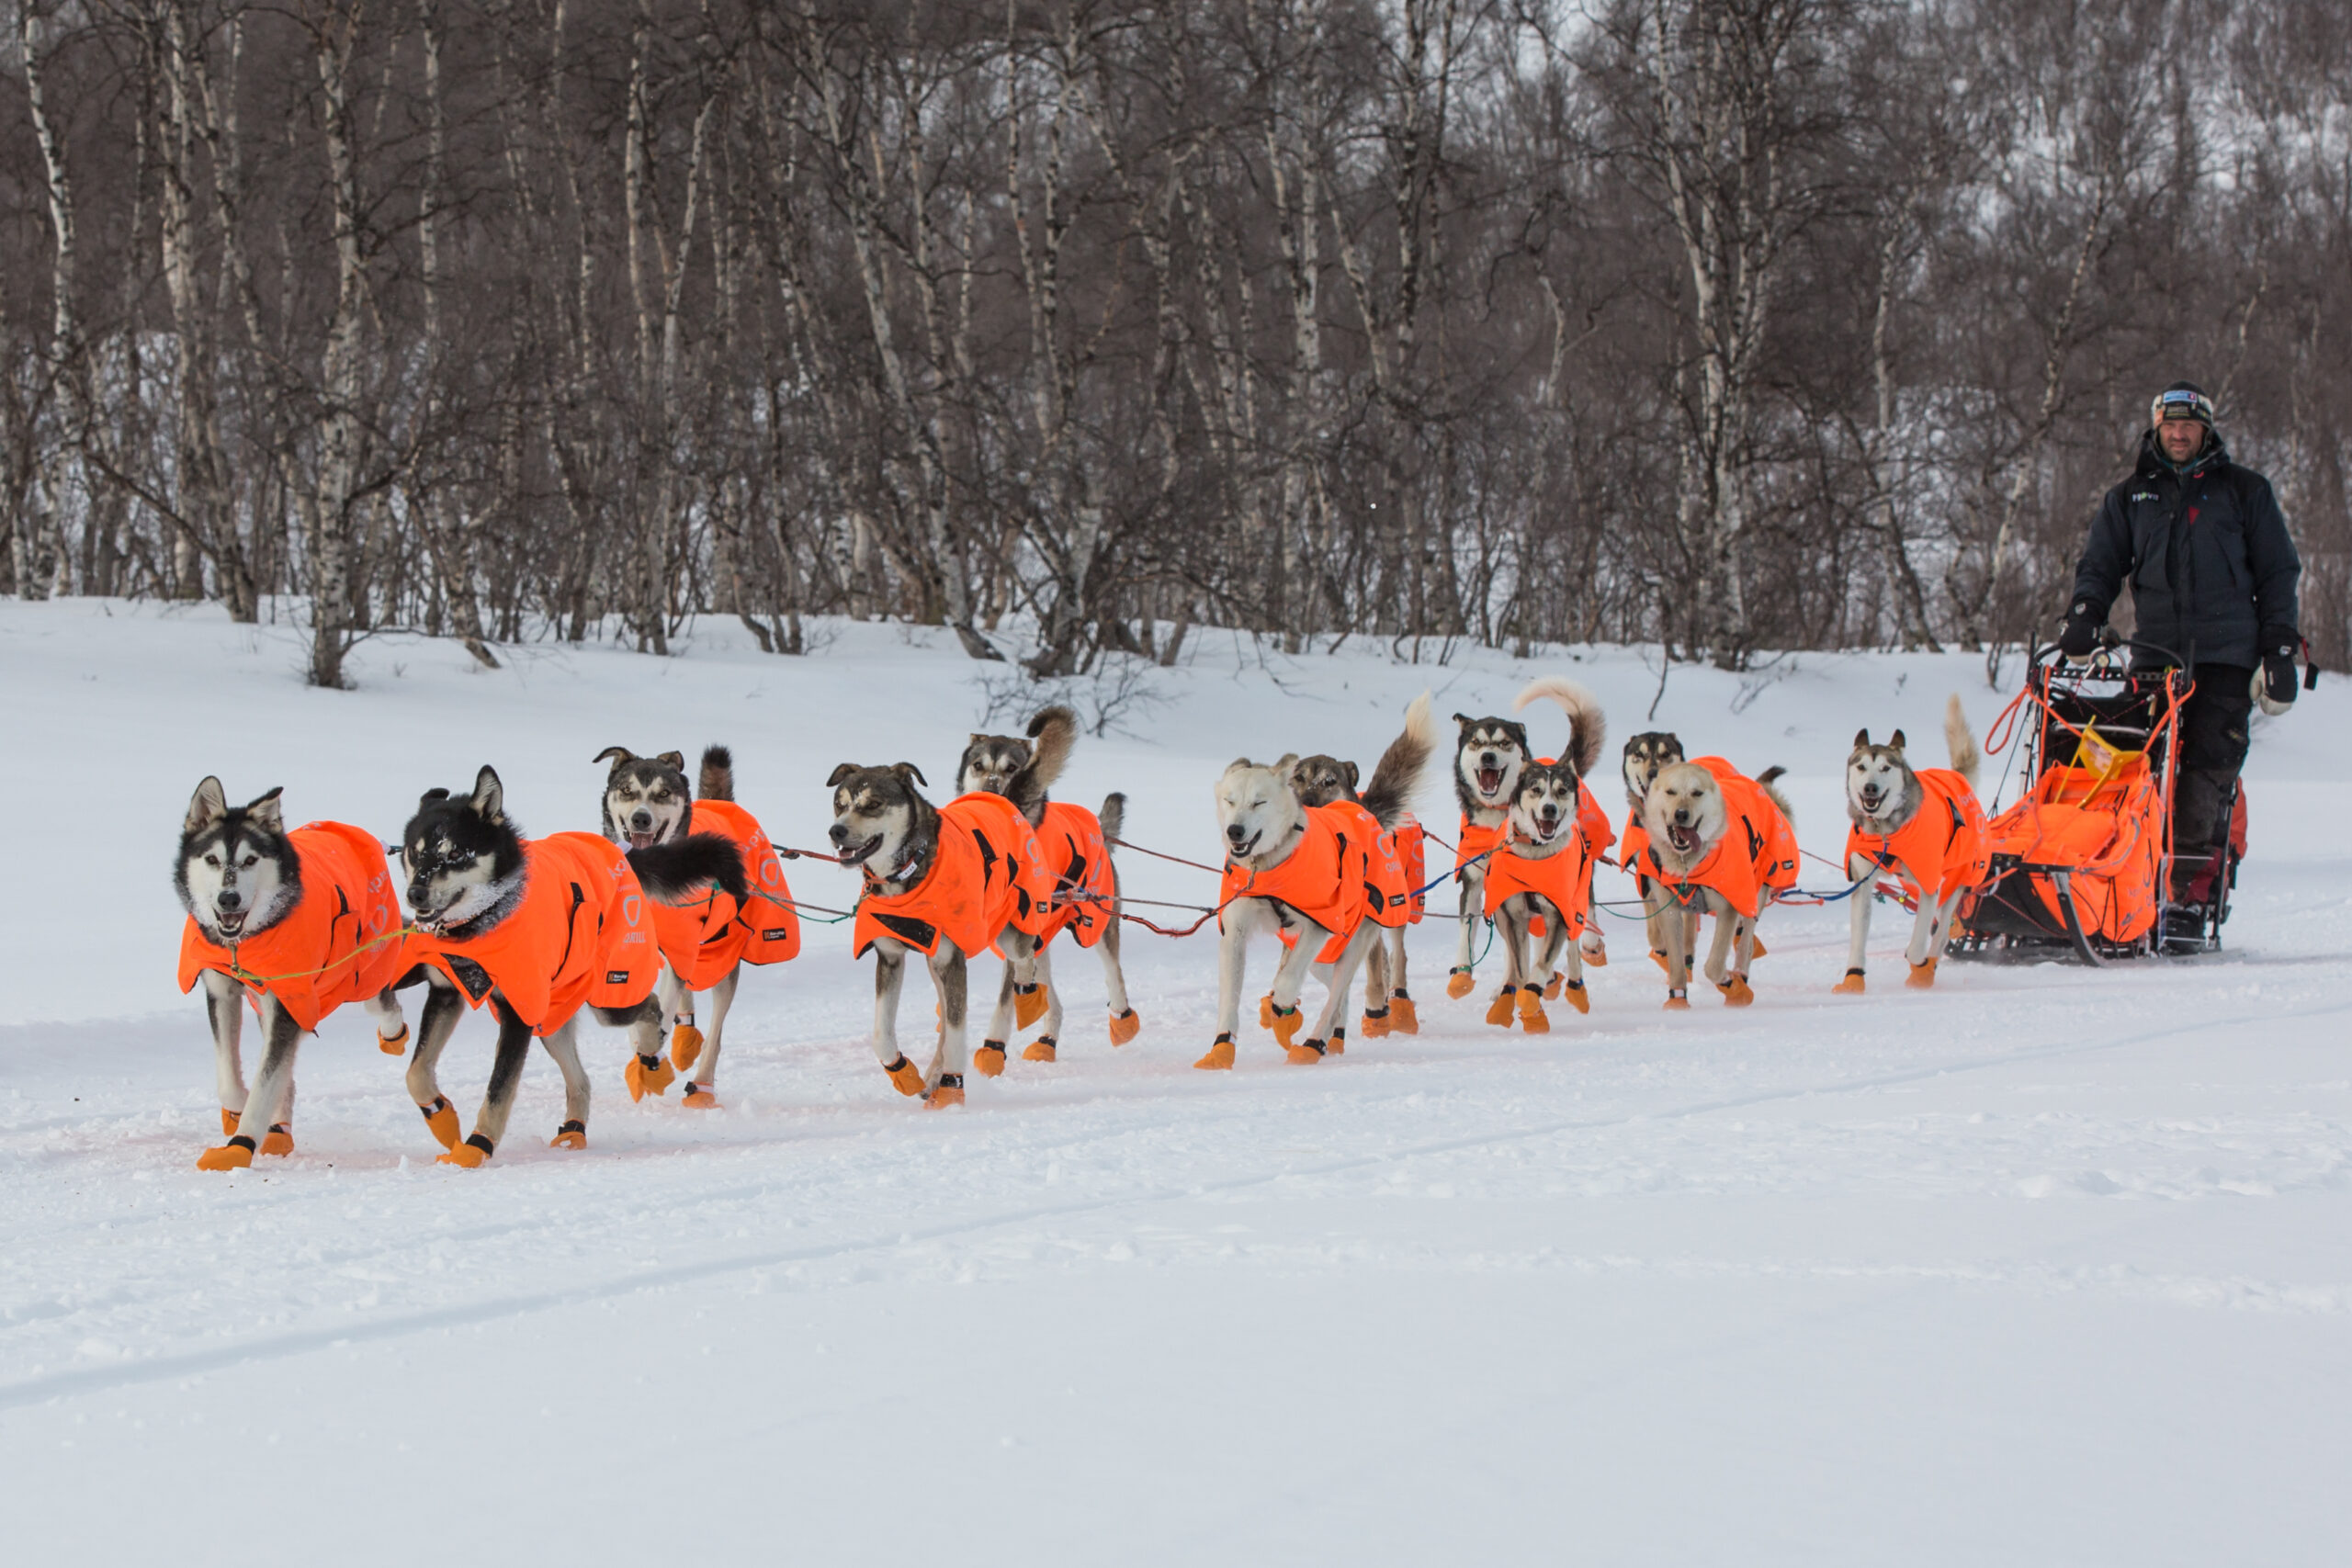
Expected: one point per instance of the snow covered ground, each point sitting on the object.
(2050, 1265)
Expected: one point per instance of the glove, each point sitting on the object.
(2279, 667)
(2081, 635)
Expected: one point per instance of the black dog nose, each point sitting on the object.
(1487, 758)
(1234, 832)
(641, 819)
(839, 833)
(230, 900)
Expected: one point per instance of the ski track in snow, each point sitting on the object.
(2047, 1265)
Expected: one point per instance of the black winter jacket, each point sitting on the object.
(2205, 552)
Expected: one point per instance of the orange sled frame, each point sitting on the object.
(2085, 860)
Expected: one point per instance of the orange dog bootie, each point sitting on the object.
(904, 1077)
(441, 1121)
(949, 1092)
(1922, 978)
(570, 1135)
(393, 1044)
(1028, 1004)
(1499, 1010)
(1220, 1055)
(989, 1060)
(1736, 992)
(1458, 983)
(1039, 1050)
(470, 1153)
(648, 1074)
(1531, 1017)
(685, 1046)
(1402, 1016)
(1575, 995)
(1124, 1026)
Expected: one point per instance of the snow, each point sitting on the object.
(2048, 1266)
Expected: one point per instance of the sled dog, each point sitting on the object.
(1645, 755)
(1075, 844)
(1718, 843)
(1323, 779)
(1924, 825)
(1305, 873)
(297, 922)
(538, 929)
(1542, 869)
(647, 801)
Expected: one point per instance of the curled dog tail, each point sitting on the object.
(1587, 728)
(1397, 777)
(673, 873)
(1764, 781)
(717, 781)
(1960, 741)
(1053, 731)
(1114, 817)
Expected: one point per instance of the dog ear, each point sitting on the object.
(1895, 741)
(620, 755)
(1285, 762)
(489, 799)
(908, 770)
(673, 760)
(1519, 733)
(266, 813)
(839, 773)
(977, 738)
(1861, 739)
(1351, 774)
(208, 805)
(430, 797)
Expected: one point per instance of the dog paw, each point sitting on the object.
(278, 1140)
(1552, 987)
(1402, 1018)
(1595, 949)
(989, 1060)
(1124, 1026)
(393, 1044)
(648, 1074)
(237, 1154)
(1922, 978)
(1287, 1023)
(904, 1077)
(1499, 1010)
(1575, 995)
(571, 1135)
(1039, 1050)
(700, 1097)
(1736, 991)
(1028, 1004)
(470, 1153)
(685, 1046)
(1220, 1055)
(1337, 1044)
(441, 1121)
(1851, 985)
(1677, 1002)
(1305, 1053)
(1458, 983)
(1266, 1010)
(1531, 1017)
(948, 1091)
(1376, 1024)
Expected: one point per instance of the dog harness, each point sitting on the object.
(1071, 840)
(1946, 845)
(337, 944)
(580, 937)
(705, 941)
(1591, 821)
(985, 874)
(1328, 878)
(1412, 854)
(1388, 886)
(1757, 850)
(1563, 877)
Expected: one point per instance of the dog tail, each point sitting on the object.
(1397, 777)
(1960, 740)
(673, 873)
(1587, 728)
(1764, 781)
(1055, 731)
(717, 781)
(1113, 817)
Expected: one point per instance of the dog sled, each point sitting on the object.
(2085, 860)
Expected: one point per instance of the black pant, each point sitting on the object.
(2214, 728)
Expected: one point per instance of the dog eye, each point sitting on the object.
(212, 859)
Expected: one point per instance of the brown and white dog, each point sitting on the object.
(1646, 755)
(1691, 809)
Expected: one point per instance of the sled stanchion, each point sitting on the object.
(2064, 881)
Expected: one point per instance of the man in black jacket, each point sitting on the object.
(2212, 576)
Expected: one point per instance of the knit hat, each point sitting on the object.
(2182, 399)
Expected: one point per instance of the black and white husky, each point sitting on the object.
(463, 860)
(1262, 822)
(1646, 755)
(647, 801)
(1022, 768)
(883, 825)
(1882, 795)
(237, 875)
(1544, 807)
(1387, 1001)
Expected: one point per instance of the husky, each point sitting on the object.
(1546, 802)
(1323, 779)
(1645, 755)
(466, 865)
(647, 801)
(1686, 815)
(1584, 712)
(1885, 795)
(1265, 825)
(239, 874)
(1486, 764)
(1078, 845)
(883, 826)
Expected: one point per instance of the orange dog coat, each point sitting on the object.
(1328, 878)
(985, 874)
(1757, 850)
(705, 941)
(1412, 854)
(1945, 846)
(1563, 877)
(580, 937)
(1070, 839)
(339, 943)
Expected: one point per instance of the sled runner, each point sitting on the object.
(2085, 860)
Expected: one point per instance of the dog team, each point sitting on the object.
(660, 912)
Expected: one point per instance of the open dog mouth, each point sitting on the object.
(645, 840)
(1872, 800)
(1545, 827)
(228, 924)
(1489, 780)
(1682, 836)
(1243, 850)
(857, 854)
